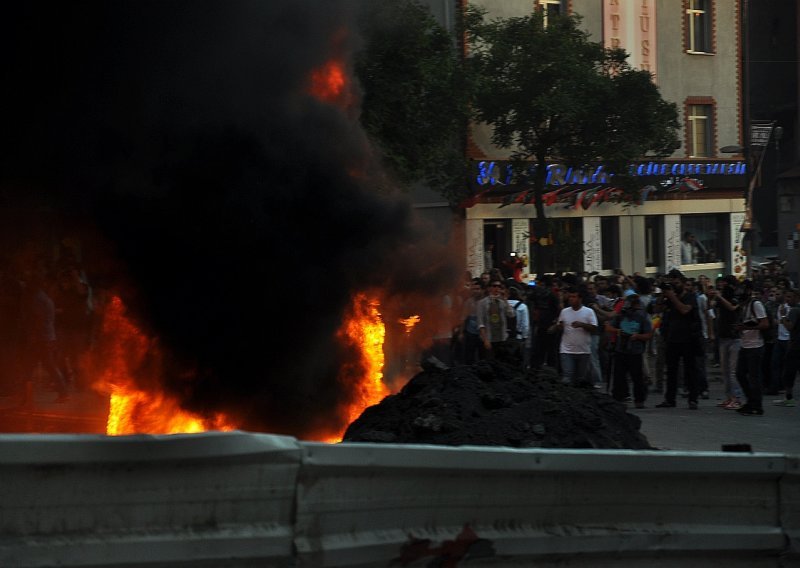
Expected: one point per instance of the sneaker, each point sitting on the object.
(692, 405)
(783, 402)
(751, 411)
(725, 402)
(665, 404)
(733, 405)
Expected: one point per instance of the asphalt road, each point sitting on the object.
(711, 427)
(705, 429)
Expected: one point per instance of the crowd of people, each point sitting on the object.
(636, 336)
(48, 318)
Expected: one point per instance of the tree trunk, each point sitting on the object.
(540, 222)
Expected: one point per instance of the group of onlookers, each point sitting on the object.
(46, 325)
(636, 335)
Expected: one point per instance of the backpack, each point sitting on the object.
(770, 334)
(511, 322)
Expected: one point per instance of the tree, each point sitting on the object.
(415, 104)
(551, 94)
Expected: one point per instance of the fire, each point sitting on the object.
(365, 329)
(328, 82)
(133, 410)
(409, 322)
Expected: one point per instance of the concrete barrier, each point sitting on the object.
(213, 499)
(372, 505)
(239, 499)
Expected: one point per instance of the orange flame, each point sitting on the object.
(409, 322)
(365, 329)
(132, 409)
(329, 83)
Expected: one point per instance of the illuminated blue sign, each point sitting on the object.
(494, 173)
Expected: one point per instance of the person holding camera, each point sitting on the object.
(633, 329)
(748, 367)
(681, 329)
(722, 300)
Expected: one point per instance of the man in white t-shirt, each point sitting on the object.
(748, 367)
(576, 322)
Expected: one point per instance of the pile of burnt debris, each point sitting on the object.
(492, 403)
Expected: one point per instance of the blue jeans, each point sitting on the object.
(575, 366)
(596, 374)
(728, 358)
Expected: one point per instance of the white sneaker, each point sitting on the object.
(783, 402)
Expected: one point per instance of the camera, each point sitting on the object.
(666, 286)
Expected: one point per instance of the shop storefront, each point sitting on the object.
(590, 231)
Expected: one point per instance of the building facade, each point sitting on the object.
(692, 48)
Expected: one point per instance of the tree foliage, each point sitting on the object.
(550, 93)
(415, 95)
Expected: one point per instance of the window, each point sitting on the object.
(709, 238)
(609, 235)
(698, 26)
(699, 129)
(654, 240)
(551, 8)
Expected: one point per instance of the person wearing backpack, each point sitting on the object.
(748, 367)
(771, 381)
(633, 329)
(790, 320)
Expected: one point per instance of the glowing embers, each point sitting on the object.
(127, 353)
(409, 322)
(328, 82)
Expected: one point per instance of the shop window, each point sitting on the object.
(699, 128)
(704, 238)
(699, 14)
(609, 235)
(654, 240)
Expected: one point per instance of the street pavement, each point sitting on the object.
(710, 427)
(707, 429)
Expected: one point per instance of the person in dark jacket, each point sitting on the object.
(681, 329)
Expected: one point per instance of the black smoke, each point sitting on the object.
(237, 213)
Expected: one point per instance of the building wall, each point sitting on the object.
(683, 75)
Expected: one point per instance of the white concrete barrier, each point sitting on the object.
(212, 499)
(372, 505)
(240, 500)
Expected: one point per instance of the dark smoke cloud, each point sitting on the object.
(241, 212)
